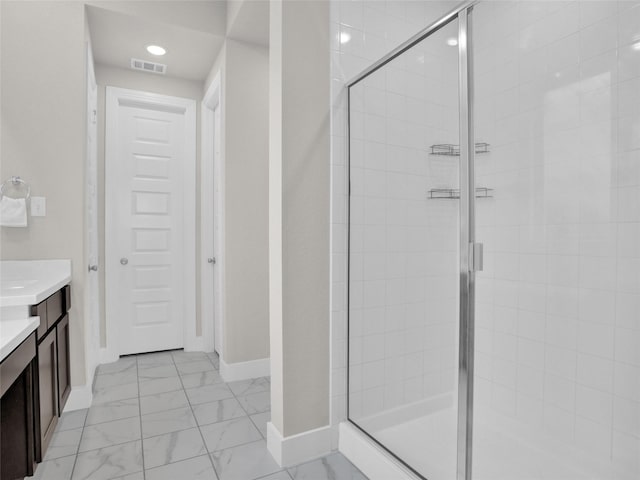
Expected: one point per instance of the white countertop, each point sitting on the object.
(24, 283)
(28, 282)
(14, 332)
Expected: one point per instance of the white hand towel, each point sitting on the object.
(13, 212)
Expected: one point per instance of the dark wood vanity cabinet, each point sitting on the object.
(47, 392)
(64, 366)
(53, 374)
(17, 411)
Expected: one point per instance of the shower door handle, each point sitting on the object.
(476, 257)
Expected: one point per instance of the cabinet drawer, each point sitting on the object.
(40, 310)
(66, 291)
(55, 307)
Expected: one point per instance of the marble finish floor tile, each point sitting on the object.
(159, 385)
(163, 401)
(283, 475)
(72, 420)
(172, 447)
(155, 359)
(127, 428)
(58, 469)
(332, 467)
(63, 443)
(110, 433)
(117, 392)
(168, 421)
(198, 468)
(218, 411)
(195, 367)
(110, 462)
(247, 387)
(120, 366)
(180, 356)
(248, 461)
(116, 410)
(231, 433)
(256, 403)
(161, 371)
(133, 476)
(200, 379)
(260, 421)
(112, 379)
(208, 393)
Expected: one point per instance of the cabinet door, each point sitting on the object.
(64, 374)
(48, 390)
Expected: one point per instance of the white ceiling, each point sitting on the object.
(187, 30)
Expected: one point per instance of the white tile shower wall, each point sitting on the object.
(362, 32)
(558, 314)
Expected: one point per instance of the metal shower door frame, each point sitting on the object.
(470, 254)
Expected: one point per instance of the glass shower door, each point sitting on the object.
(404, 249)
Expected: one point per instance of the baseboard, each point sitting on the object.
(298, 448)
(370, 458)
(194, 344)
(107, 356)
(232, 372)
(79, 398)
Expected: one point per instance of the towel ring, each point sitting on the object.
(16, 182)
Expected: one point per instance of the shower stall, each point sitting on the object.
(494, 244)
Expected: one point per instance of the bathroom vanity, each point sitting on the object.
(35, 298)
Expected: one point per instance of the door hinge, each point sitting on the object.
(476, 257)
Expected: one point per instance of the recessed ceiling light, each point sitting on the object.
(345, 37)
(452, 42)
(156, 50)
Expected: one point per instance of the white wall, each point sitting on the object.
(246, 97)
(558, 336)
(244, 78)
(299, 218)
(125, 78)
(43, 139)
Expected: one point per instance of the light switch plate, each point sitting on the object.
(38, 206)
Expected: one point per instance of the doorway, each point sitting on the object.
(149, 221)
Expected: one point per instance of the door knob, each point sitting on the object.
(124, 261)
(211, 260)
(93, 268)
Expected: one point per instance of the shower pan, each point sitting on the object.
(494, 224)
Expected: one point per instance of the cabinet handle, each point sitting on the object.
(124, 261)
(93, 268)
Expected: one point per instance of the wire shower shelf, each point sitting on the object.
(453, 193)
(451, 150)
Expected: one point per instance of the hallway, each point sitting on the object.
(169, 415)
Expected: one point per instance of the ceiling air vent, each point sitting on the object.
(145, 66)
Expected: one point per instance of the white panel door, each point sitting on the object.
(148, 230)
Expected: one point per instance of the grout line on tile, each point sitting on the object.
(196, 421)
(144, 474)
